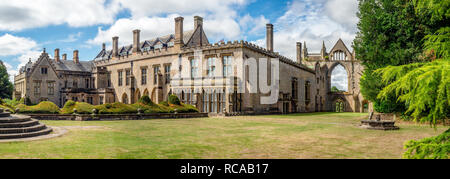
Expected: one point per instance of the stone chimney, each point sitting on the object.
(103, 46)
(198, 21)
(179, 32)
(75, 57)
(136, 41)
(299, 52)
(115, 44)
(57, 55)
(269, 37)
(64, 56)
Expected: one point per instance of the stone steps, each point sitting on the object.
(14, 119)
(46, 131)
(20, 126)
(31, 122)
(22, 130)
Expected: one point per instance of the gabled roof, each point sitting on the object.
(340, 45)
(106, 54)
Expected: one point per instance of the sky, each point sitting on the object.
(29, 26)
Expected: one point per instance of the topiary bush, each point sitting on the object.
(145, 100)
(45, 107)
(437, 147)
(82, 108)
(116, 108)
(173, 99)
(164, 103)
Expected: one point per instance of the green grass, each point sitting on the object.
(318, 135)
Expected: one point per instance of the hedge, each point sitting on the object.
(45, 107)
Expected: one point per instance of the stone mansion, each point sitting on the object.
(124, 74)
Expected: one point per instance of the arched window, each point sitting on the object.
(339, 79)
(125, 98)
(339, 55)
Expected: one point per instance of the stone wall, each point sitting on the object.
(109, 117)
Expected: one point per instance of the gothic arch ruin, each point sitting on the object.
(324, 63)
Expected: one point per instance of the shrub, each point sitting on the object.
(116, 108)
(173, 99)
(13, 102)
(82, 108)
(164, 103)
(45, 107)
(184, 108)
(437, 147)
(145, 100)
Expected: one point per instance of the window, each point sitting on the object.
(120, 76)
(65, 84)
(109, 80)
(89, 100)
(226, 61)
(128, 76)
(159, 46)
(145, 49)
(144, 76)
(44, 70)
(51, 88)
(167, 73)
(75, 83)
(37, 88)
(155, 74)
(294, 88)
(211, 67)
(307, 92)
(194, 68)
(339, 55)
(87, 82)
(101, 100)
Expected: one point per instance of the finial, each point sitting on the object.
(44, 50)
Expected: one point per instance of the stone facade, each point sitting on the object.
(124, 74)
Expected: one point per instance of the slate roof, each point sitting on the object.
(124, 50)
(70, 65)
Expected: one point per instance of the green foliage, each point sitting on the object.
(429, 148)
(45, 107)
(145, 100)
(13, 102)
(116, 108)
(438, 44)
(335, 89)
(7, 87)
(164, 103)
(82, 108)
(173, 99)
(423, 87)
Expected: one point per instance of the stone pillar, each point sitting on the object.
(269, 37)
(75, 57)
(64, 56)
(136, 38)
(57, 55)
(179, 32)
(115, 44)
(299, 52)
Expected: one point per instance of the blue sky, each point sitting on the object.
(28, 26)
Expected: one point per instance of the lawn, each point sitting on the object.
(318, 135)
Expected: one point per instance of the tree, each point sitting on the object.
(6, 89)
(390, 33)
(334, 89)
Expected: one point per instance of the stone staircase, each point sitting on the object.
(20, 126)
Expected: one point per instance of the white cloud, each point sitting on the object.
(24, 48)
(254, 26)
(219, 19)
(312, 21)
(19, 15)
(12, 45)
